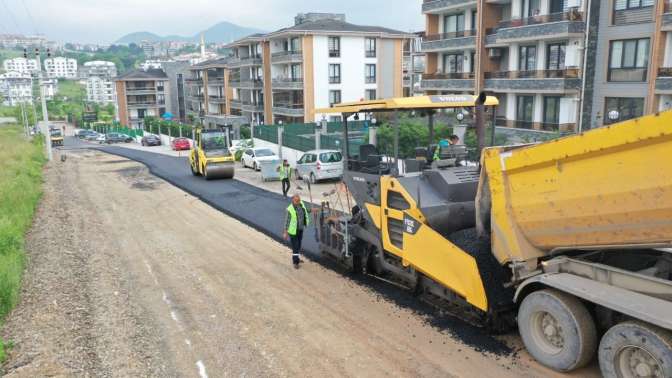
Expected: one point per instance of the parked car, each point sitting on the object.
(252, 157)
(101, 138)
(82, 134)
(180, 144)
(117, 138)
(320, 165)
(92, 136)
(150, 140)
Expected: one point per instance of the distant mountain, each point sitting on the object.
(221, 32)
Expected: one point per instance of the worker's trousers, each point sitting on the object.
(285, 186)
(295, 240)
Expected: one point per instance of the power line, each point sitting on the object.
(30, 17)
(11, 16)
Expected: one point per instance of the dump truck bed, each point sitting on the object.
(606, 188)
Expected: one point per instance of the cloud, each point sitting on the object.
(107, 20)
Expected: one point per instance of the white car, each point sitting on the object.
(253, 157)
(320, 165)
(101, 138)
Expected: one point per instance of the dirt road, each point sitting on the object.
(130, 276)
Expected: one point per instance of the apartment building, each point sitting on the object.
(98, 68)
(61, 68)
(413, 65)
(16, 88)
(246, 79)
(142, 94)
(20, 65)
(553, 64)
(323, 60)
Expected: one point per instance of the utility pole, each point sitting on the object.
(43, 97)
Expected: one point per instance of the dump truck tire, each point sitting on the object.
(636, 349)
(557, 330)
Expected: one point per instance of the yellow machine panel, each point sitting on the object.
(426, 250)
(607, 187)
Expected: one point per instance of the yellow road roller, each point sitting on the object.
(210, 156)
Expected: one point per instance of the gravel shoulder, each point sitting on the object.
(129, 276)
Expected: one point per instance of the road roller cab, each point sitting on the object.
(210, 157)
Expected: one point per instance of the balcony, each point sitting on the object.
(545, 81)
(144, 104)
(217, 99)
(288, 83)
(460, 81)
(288, 109)
(554, 25)
(437, 6)
(287, 57)
(460, 40)
(140, 90)
(666, 21)
(236, 104)
(664, 80)
(194, 80)
(248, 84)
(216, 81)
(244, 61)
(251, 107)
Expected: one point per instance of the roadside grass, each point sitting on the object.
(21, 164)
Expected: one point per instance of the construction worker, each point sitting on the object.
(437, 151)
(296, 221)
(454, 140)
(285, 175)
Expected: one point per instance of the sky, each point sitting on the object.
(104, 21)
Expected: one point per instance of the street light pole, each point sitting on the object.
(45, 115)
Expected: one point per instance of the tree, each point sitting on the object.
(413, 133)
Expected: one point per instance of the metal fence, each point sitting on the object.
(301, 136)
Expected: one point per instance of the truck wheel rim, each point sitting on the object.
(633, 362)
(547, 333)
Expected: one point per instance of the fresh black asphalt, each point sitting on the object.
(256, 207)
(265, 211)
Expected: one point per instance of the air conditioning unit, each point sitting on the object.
(495, 52)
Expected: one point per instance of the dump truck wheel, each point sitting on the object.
(557, 330)
(636, 349)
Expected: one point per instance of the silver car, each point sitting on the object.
(320, 165)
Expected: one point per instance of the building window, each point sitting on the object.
(370, 94)
(334, 97)
(334, 74)
(370, 74)
(334, 47)
(525, 111)
(555, 56)
(295, 44)
(472, 62)
(552, 110)
(527, 58)
(632, 4)
(532, 7)
(370, 47)
(453, 63)
(453, 23)
(624, 107)
(629, 60)
(296, 74)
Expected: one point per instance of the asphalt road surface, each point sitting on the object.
(130, 276)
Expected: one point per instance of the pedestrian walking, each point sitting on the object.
(296, 221)
(285, 176)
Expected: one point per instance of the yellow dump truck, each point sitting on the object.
(570, 240)
(210, 156)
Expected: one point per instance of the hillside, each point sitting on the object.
(221, 32)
